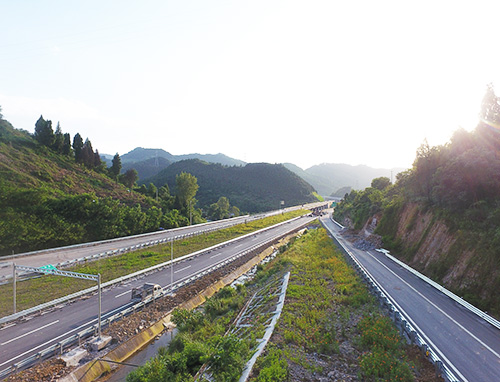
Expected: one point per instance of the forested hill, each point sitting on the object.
(251, 188)
(443, 215)
(53, 195)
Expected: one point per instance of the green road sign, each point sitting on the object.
(49, 267)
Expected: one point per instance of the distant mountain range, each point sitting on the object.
(335, 179)
(328, 179)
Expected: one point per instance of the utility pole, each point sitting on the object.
(99, 313)
(14, 286)
(171, 265)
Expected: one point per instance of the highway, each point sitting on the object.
(22, 339)
(467, 344)
(73, 252)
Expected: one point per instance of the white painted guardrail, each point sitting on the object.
(59, 347)
(485, 316)
(68, 263)
(154, 268)
(401, 318)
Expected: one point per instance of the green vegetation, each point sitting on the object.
(52, 196)
(324, 302)
(459, 184)
(252, 188)
(201, 339)
(56, 193)
(51, 287)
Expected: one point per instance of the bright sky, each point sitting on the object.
(307, 82)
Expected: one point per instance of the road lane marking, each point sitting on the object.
(182, 269)
(25, 334)
(427, 339)
(45, 343)
(7, 326)
(121, 294)
(438, 308)
(61, 335)
(218, 254)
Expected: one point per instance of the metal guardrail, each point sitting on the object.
(58, 348)
(485, 316)
(116, 252)
(412, 332)
(94, 243)
(154, 268)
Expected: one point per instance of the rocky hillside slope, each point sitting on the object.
(452, 257)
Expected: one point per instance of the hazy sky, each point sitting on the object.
(307, 82)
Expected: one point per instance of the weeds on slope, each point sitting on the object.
(330, 327)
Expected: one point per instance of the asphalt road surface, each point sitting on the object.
(21, 340)
(468, 345)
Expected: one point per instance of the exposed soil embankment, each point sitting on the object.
(450, 257)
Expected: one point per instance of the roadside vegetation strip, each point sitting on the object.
(36, 291)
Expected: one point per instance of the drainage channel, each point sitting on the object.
(140, 358)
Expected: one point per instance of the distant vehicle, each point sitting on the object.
(145, 291)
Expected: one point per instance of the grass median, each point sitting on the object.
(39, 290)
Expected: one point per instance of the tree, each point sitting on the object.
(381, 183)
(130, 177)
(88, 158)
(77, 147)
(219, 210)
(186, 186)
(66, 148)
(116, 166)
(58, 139)
(490, 107)
(1, 115)
(43, 132)
(152, 190)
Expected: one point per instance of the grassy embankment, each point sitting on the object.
(330, 324)
(39, 290)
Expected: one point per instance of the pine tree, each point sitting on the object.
(43, 132)
(77, 147)
(88, 158)
(116, 166)
(58, 139)
(66, 148)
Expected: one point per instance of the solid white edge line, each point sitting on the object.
(434, 347)
(438, 308)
